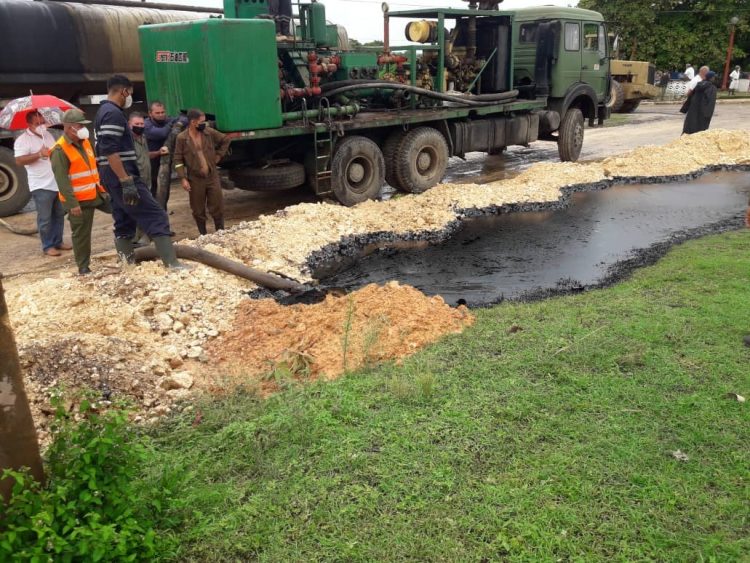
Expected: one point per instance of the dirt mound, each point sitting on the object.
(341, 333)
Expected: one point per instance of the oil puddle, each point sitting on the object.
(538, 253)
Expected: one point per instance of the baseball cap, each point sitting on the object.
(74, 116)
(710, 74)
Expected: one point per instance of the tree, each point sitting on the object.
(18, 441)
(671, 33)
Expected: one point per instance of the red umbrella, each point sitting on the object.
(14, 113)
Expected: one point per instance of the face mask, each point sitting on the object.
(201, 126)
(138, 130)
(83, 133)
(40, 130)
(128, 102)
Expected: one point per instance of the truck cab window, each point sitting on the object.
(572, 37)
(527, 33)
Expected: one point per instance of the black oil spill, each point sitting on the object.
(590, 239)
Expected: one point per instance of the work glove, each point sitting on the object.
(130, 191)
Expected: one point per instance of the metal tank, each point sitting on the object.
(70, 48)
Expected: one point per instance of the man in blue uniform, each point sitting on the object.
(132, 203)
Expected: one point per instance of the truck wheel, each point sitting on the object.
(357, 170)
(421, 160)
(275, 177)
(14, 186)
(390, 150)
(570, 136)
(630, 106)
(616, 96)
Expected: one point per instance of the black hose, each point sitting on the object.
(503, 97)
(326, 87)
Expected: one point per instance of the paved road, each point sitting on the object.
(651, 124)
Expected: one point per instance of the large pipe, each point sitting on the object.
(351, 109)
(129, 4)
(18, 442)
(226, 265)
(492, 99)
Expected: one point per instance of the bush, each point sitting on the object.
(90, 508)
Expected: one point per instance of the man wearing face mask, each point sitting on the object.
(74, 166)
(132, 203)
(143, 159)
(196, 153)
(31, 150)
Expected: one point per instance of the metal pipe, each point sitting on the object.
(130, 4)
(351, 109)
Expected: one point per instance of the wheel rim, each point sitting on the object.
(7, 182)
(578, 135)
(359, 172)
(425, 160)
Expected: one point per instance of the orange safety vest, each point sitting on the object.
(83, 174)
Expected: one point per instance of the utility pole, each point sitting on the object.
(732, 26)
(18, 442)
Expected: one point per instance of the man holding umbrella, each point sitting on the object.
(32, 152)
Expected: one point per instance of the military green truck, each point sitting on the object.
(308, 109)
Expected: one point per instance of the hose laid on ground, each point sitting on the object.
(503, 97)
(226, 265)
(18, 230)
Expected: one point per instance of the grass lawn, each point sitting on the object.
(549, 442)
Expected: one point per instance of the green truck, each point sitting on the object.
(308, 109)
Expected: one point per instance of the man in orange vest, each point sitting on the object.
(74, 164)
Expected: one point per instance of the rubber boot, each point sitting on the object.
(219, 224)
(125, 250)
(165, 248)
(201, 227)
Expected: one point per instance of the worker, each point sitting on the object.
(197, 152)
(132, 202)
(156, 130)
(701, 107)
(702, 72)
(281, 12)
(136, 123)
(734, 78)
(689, 72)
(80, 190)
(31, 150)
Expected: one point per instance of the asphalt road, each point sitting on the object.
(650, 124)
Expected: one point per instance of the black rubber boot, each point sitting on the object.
(165, 248)
(125, 249)
(201, 227)
(219, 224)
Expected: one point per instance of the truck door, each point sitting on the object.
(570, 57)
(593, 58)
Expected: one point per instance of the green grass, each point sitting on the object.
(545, 444)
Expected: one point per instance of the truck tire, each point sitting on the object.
(616, 96)
(14, 186)
(357, 170)
(630, 106)
(421, 160)
(390, 150)
(276, 177)
(570, 136)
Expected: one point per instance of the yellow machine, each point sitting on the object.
(632, 81)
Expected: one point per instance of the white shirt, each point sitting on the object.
(690, 73)
(694, 82)
(735, 76)
(39, 172)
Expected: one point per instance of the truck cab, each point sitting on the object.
(562, 53)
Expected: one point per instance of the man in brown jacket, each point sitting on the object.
(197, 151)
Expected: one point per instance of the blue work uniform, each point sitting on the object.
(113, 137)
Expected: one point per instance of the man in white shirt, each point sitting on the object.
(32, 151)
(698, 78)
(734, 78)
(689, 72)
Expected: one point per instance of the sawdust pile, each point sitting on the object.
(341, 333)
(283, 242)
